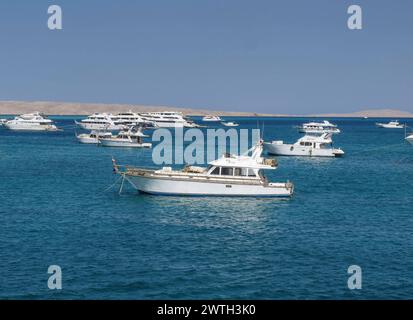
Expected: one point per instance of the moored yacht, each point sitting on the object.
(168, 119)
(131, 118)
(101, 121)
(31, 122)
(318, 127)
(93, 136)
(309, 145)
(230, 175)
(394, 124)
(131, 138)
(211, 118)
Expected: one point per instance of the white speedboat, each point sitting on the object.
(391, 125)
(309, 145)
(318, 127)
(31, 122)
(230, 175)
(132, 138)
(168, 119)
(410, 138)
(230, 124)
(93, 136)
(101, 121)
(211, 118)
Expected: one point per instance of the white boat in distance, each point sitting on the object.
(309, 145)
(132, 138)
(230, 124)
(318, 127)
(168, 119)
(31, 122)
(391, 125)
(101, 121)
(212, 118)
(93, 136)
(230, 175)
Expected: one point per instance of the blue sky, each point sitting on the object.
(293, 56)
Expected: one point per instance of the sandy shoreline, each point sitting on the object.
(68, 108)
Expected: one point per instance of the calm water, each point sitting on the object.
(356, 210)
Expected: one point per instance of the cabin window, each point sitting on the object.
(227, 171)
(237, 172)
(215, 171)
(251, 173)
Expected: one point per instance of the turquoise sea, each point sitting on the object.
(55, 209)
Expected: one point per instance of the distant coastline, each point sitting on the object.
(68, 108)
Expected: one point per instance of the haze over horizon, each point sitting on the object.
(263, 56)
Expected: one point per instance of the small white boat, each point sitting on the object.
(391, 125)
(230, 124)
(212, 118)
(93, 136)
(3, 121)
(318, 127)
(309, 146)
(31, 122)
(410, 138)
(131, 138)
(230, 175)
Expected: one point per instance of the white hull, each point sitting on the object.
(124, 144)
(100, 126)
(307, 151)
(88, 140)
(410, 139)
(30, 127)
(319, 131)
(390, 126)
(195, 188)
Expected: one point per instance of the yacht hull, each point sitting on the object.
(99, 126)
(162, 186)
(410, 139)
(292, 150)
(19, 127)
(88, 140)
(387, 126)
(124, 144)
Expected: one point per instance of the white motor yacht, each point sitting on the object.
(101, 121)
(391, 125)
(131, 118)
(168, 119)
(230, 124)
(211, 119)
(230, 175)
(31, 122)
(132, 138)
(309, 145)
(93, 136)
(319, 127)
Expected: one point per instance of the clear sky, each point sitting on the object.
(294, 56)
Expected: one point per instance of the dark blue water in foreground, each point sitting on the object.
(354, 210)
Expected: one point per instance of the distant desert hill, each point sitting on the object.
(70, 108)
(372, 113)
